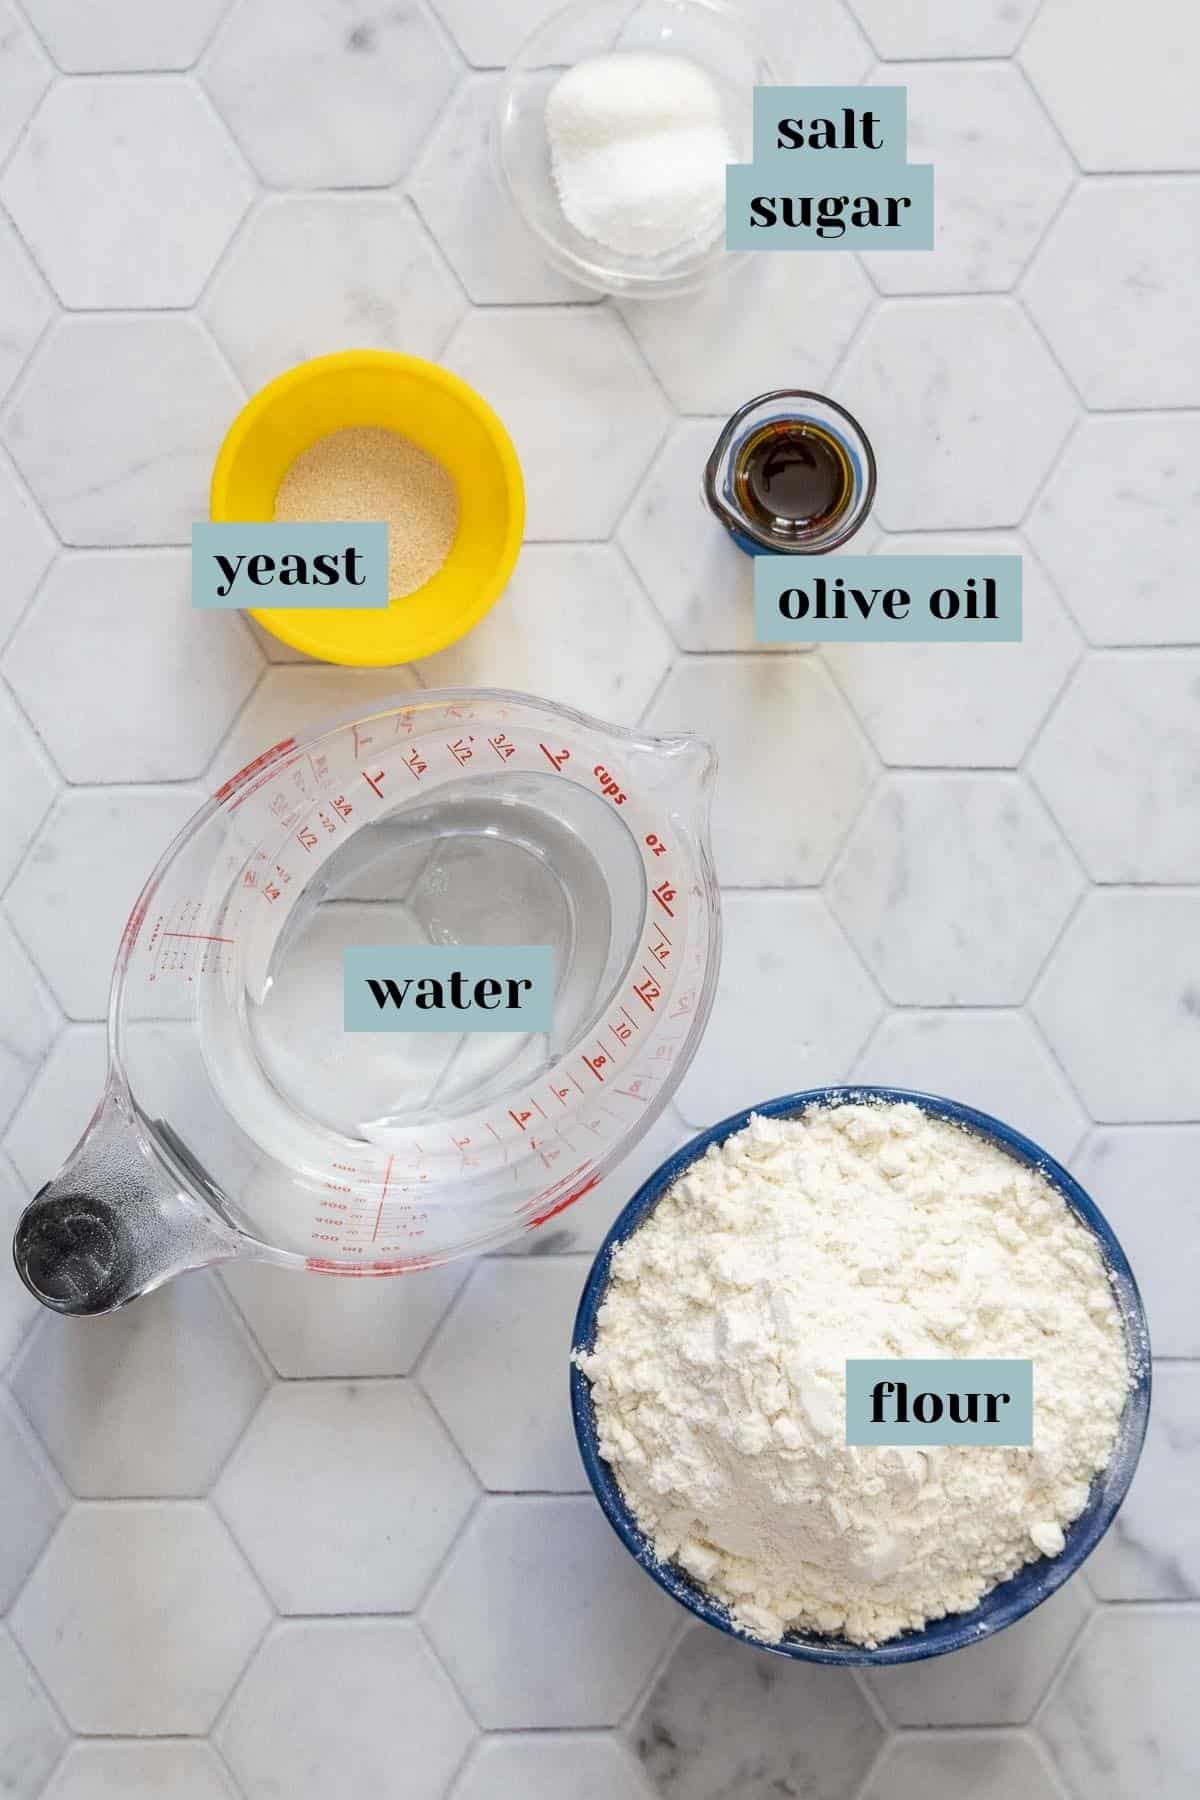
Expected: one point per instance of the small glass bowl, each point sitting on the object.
(798, 407)
(710, 33)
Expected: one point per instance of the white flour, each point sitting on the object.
(718, 1373)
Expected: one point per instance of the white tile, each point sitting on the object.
(1143, 1179)
(794, 1006)
(830, 41)
(767, 322)
(18, 1308)
(29, 786)
(24, 75)
(988, 1765)
(129, 1771)
(978, 705)
(376, 1494)
(991, 1059)
(184, 671)
(1119, 765)
(1113, 1731)
(139, 1618)
(488, 35)
(28, 547)
(29, 1023)
(997, 1682)
(126, 190)
(31, 1740)
(1152, 1551)
(1120, 1004)
(25, 305)
(560, 1766)
(325, 96)
(573, 623)
(1001, 170)
(493, 252)
(29, 1506)
(95, 1393)
(332, 1707)
(116, 425)
(544, 1619)
(1151, 50)
(939, 28)
(1118, 526)
(367, 274)
(773, 721)
(497, 1371)
(74, 891)
(723, 1718)
(954, 888)
(295, 700)
(1118, 269)
(965, 407)
(61, 1099)
(327, 1325)
(584, 415)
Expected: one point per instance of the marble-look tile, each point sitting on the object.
(18, 1308)
(1152, 1551)
(1119, 765)
(543, 1619)
(60, 1101)
(28, 787)
(965, 407)
(792, 766)
(830, 41)
(126, 190)
(489, 35)
(93, 1390)
(116, 424)
(344, 1544)
(1001, 172)
(140, 1617)
(574, 623)
(369, 278)
(978, 705)
(184, 671)
(330, 94)
(29, 1021)
(147, 1771)
(29, 1507)
(25, 73)
(944, 28)
(31, 1739)
(481, 234)
(1118, 526)
(332, 1707)
(320, 1325)
(558, 1766)
(25, 304)
(794, 1006)
(28, 548)
(293, 700)
(496, 1373)
(1143, 1178)
(75, 889)
(990, 1059)
(764, 323)
(954, 888)
(1120, 1004)
(987, 1765)
(997, 1682)
(583, 413)
(723, 1718)
(1112, 287)
(1123, 1719)
(1152, 50)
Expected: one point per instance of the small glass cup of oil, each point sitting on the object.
(792, 472)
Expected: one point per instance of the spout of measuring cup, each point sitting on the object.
(117, 1221)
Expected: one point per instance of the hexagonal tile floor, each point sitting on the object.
(263, 1537)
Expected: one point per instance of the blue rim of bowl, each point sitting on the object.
(1010, 1600)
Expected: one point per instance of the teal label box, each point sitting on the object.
(435, 987)
(939, 1400)
(259, 564)
(887, 599)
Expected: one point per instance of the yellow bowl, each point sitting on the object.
(434, 410)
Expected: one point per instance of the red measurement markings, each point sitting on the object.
(494, 1132)
(655, 844)
(342, 806)
(649, 991)
(387, 1176)
(375, 782)
(631, 1018)
(597, 1062)
(664, 893)
(199, 937)
(307, 838)
(253, 767)
(562, 1205)
(461, 750)
(560, 1093)
(556, 759)
(503, 746)
(415, 763)
(621, 1031)
(633, 1091)
(684, 1006)
(520, 1119)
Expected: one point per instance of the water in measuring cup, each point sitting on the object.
(504, 859)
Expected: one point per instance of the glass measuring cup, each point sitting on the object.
(241, 1119)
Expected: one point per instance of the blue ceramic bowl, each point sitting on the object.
(1012, 1599)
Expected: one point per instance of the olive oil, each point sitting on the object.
(793, 479)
